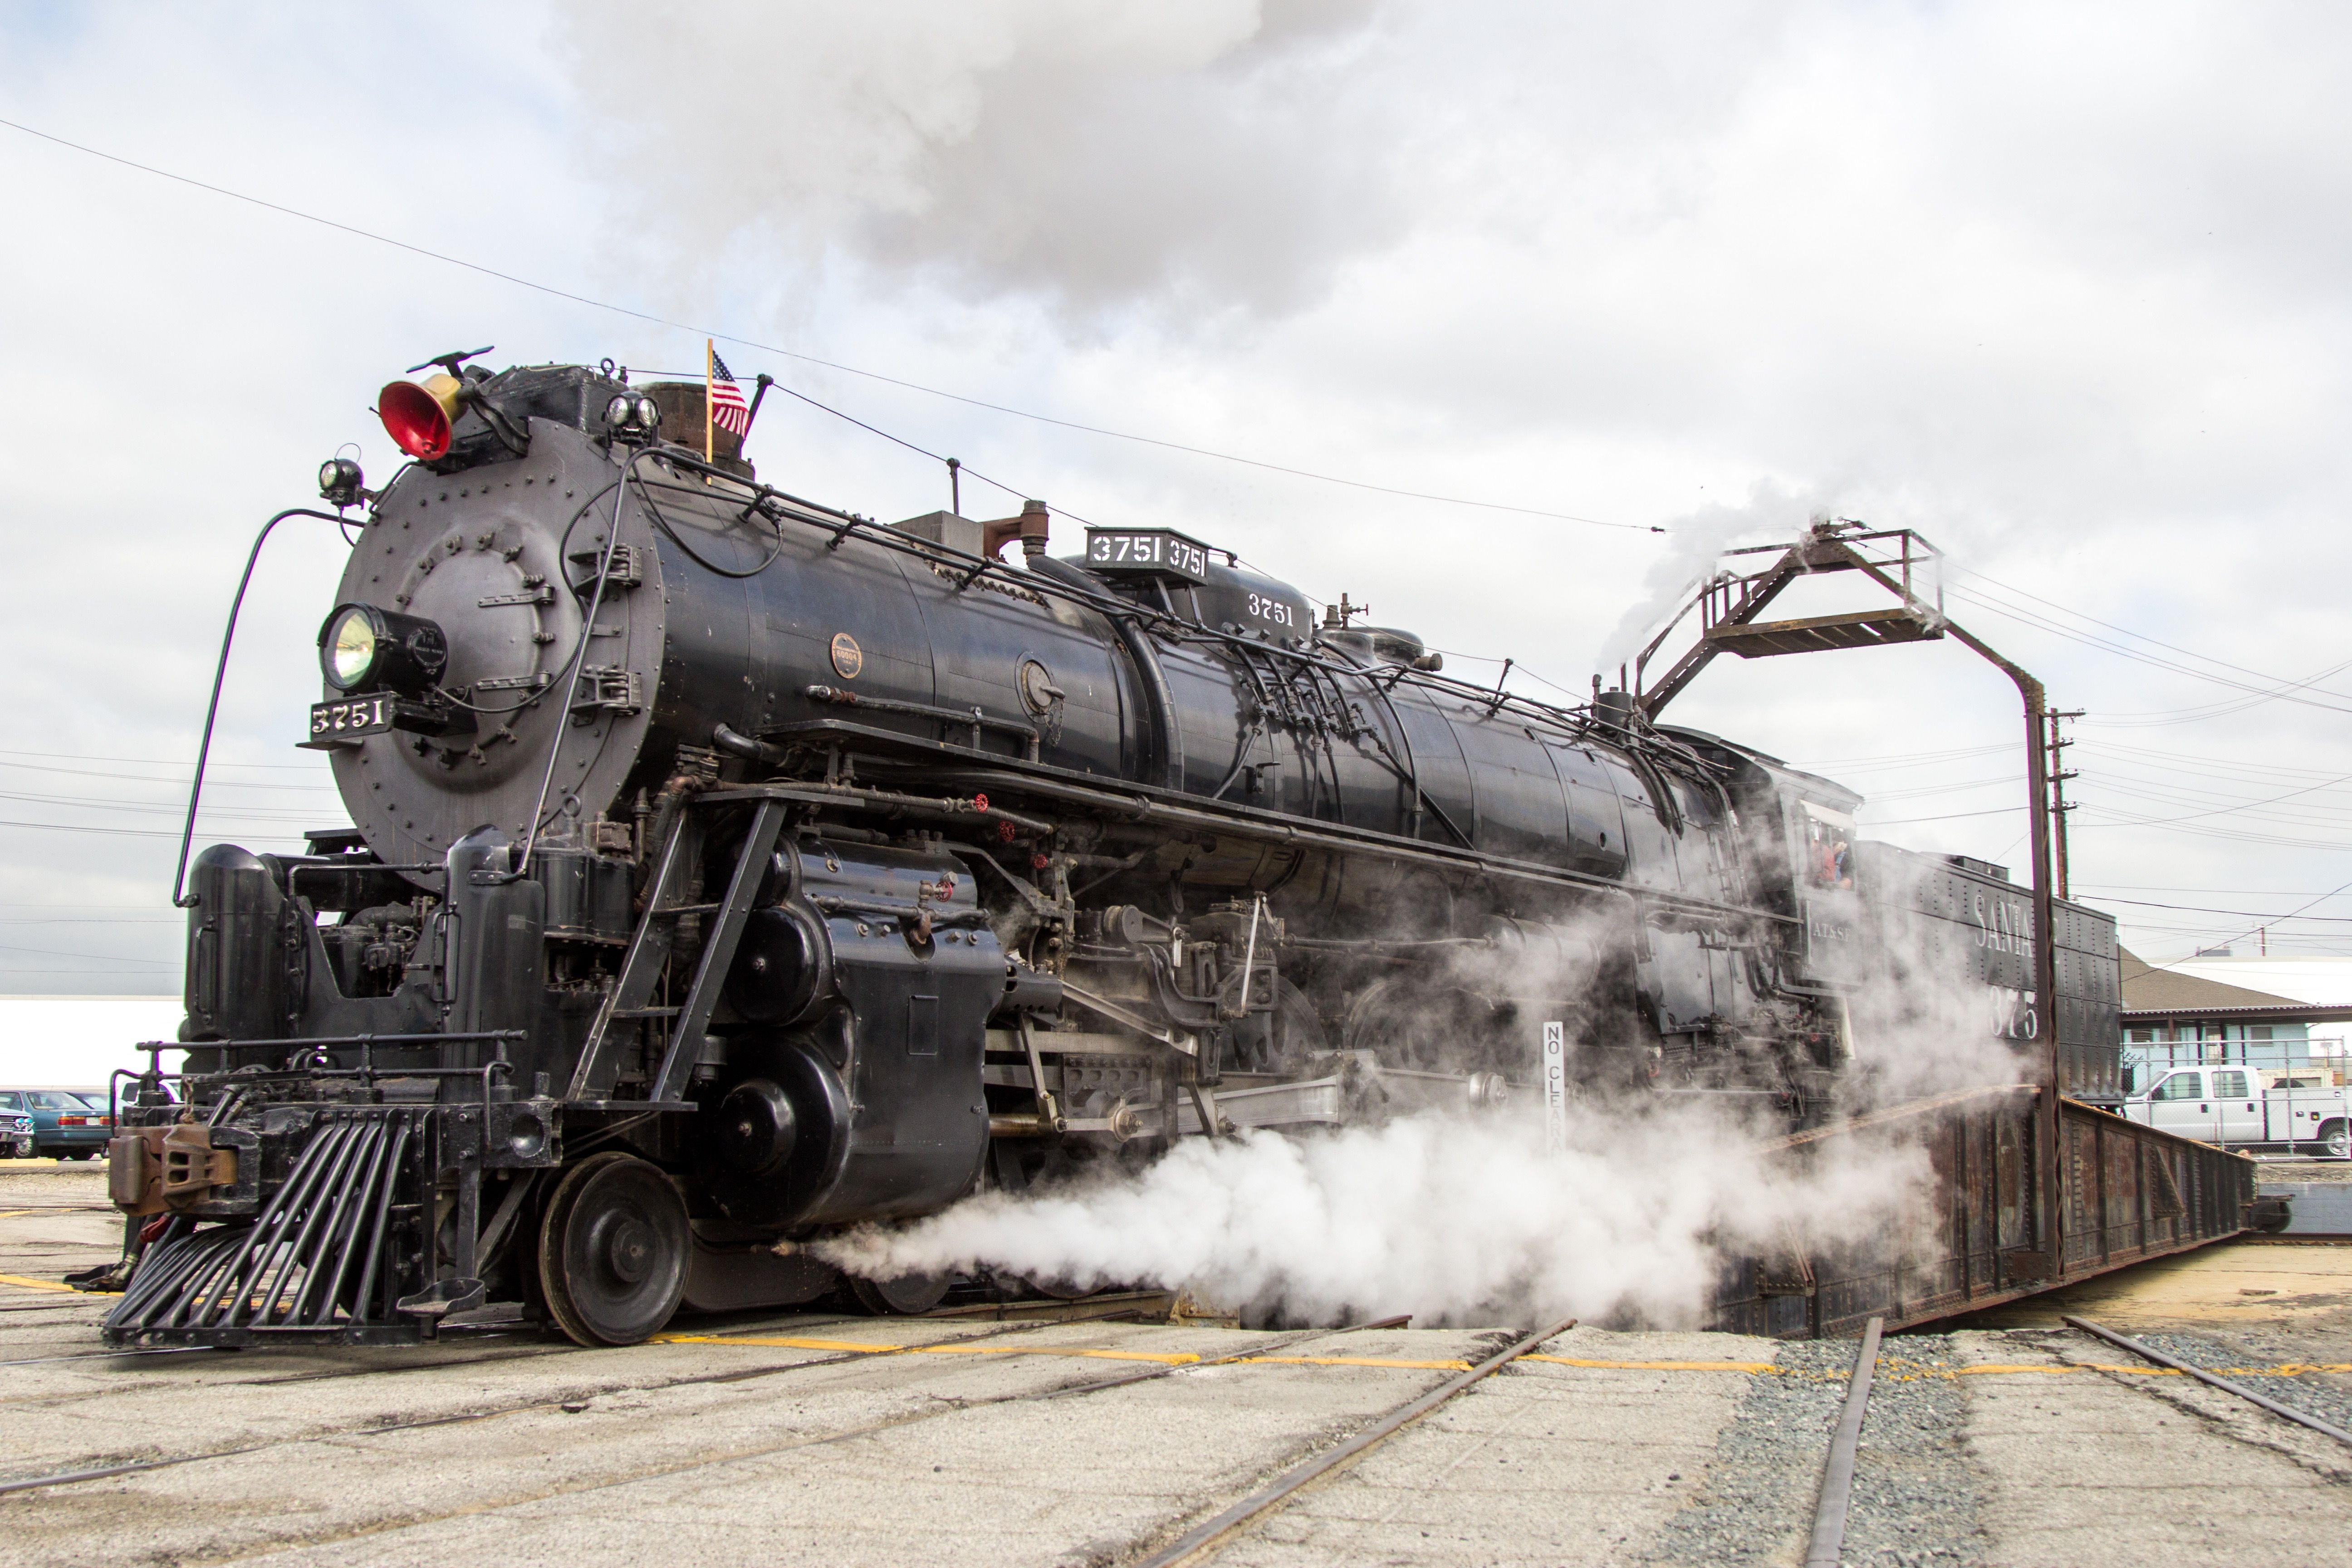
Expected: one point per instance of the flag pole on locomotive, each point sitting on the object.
(723, 401)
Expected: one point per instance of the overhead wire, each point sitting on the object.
(659, 320)
(2282, 692)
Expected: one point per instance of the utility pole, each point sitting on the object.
(2059, 775)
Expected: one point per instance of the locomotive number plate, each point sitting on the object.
(1149, 552)
(351, 718)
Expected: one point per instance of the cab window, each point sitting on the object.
(2179, 1086)
(1829, 847)
(2230, 1085)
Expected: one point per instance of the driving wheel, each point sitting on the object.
(904, 1297)
(613, 1250)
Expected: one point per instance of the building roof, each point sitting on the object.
(2319, 979)
(2152, 993)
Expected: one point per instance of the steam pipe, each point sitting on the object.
(220, 673)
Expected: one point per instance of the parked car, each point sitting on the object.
(16, 1134)
(64, 1124)
(2230, 1106)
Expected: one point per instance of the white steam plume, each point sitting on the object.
(1462, 1219)
(1771, 511)
(1451, 1219)
(1922, 1026)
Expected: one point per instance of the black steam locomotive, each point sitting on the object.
(729, 869)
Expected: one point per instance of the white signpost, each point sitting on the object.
(1555, 1089)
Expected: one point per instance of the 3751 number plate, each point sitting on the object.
(1149, 552)
(349, 718)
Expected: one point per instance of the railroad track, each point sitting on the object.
(579, 1398)
(1828, 1542)
(2213, 1380)
(1835, 1498)
(1215, 1531)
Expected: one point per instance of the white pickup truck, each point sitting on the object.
(2229, 1105)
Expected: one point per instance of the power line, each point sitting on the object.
(648, 317)
(2257, 694)
(2144, 888)
(100, 957)
(160, 762)
(180, 782)
(2127, 631)
(1950, 817)
(135, 832)
(2249, 914)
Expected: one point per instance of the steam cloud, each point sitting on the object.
(1450, 1219)
(1460, 1218)
(1694, 542)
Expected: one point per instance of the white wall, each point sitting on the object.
(73, 1042)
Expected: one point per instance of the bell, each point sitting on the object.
(418, 415)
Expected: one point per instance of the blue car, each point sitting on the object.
(64, 1125)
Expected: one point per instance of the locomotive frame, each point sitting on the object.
(880, 871)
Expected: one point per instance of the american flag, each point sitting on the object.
(728, 409)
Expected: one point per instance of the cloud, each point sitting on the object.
(1097, 158)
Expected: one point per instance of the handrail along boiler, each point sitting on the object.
(729, 869)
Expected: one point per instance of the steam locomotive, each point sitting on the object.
(729, 869)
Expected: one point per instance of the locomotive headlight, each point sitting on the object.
(363, 649)
(632, 416)
(347, 650)
(341, 483)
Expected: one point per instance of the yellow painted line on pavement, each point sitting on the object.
(1893, 1370)
(855, 1347)
(2288, 1369)
(31, 1284)
(1355, 1360)
(1750, 1366)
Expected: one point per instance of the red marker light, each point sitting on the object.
(416, 416)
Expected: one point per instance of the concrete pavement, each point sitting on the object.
(776, 1440)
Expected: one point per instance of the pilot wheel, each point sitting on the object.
(613, 1250)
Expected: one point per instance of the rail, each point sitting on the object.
(1837, 1472)
(1203, 1536)
(2150, 1352)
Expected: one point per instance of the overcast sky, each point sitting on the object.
(2063, 287)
